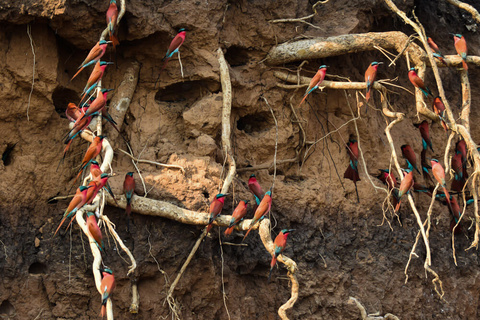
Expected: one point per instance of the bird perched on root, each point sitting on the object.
(280, 243)
(370, 76)
(172, 49)
(216, 207)
(461, 47)
(237, 216)
(262, 210)
(107, 286)
(315, 82)
(352, 169)
(418, 82)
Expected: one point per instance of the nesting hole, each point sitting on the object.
(7, 308)
(61, 98)
(237, 56)
(187, 91)
(7, 154)
(37, 268)
(255, 123)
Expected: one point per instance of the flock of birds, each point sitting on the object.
(90, 105)
(458, 162)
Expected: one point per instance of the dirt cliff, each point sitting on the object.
(342, 248)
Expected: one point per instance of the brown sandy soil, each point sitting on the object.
(342, 248)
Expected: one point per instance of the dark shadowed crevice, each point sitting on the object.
(7, 154)
(255, 123)
(187, 91)
(237, 56)
(7, 308)
(61, 98)
(37, 268)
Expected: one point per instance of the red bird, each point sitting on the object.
(410, 156)
(76, 203)
(107, 286)
(95, 54)
(280, 244)
(439, 174)
(237, 216)
(255, 188)
(92, 152)
(112, 17)
(98, 104)
(129, 190)
(456, 213)
(172, 49)
(418, 83)
(387, 178)
(459, 179)
(461, 148)
(436, 52)
(95, 170)
(94, 230)
(262, 210)
(405, 186)
(94, 78)
(315, 82)
(352, 169)
(439, 109)
(102, 182)
(72, 112)
(370, 76)
(424, 132)
(461, 47)
(215, 209)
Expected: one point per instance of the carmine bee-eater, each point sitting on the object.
(94, 78)
(315, 82)
(387, 178)
(405, 186)
(410, 156)
(280, 244)
(255, 188)
(455, 212)
(92, 152)
(107, 285)
(439, 109)
(95, 54)
(262, 210)
(418, 83)
(72, 112)
(98, 104)
(436, 52)
(370, 76)
(424, 132)
(94, 230)
(237, 216)
(172, 49)
(215, 209)
(76, 203)
(95, 170)
(102, 182)
(112, 17)
(459, 179)
(461, 148)
(352, 169)
(128, 190)
(425, 166)
(461, 47)
(439, 175)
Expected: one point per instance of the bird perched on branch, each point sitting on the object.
(262, 210)
(280, 243)
(425, 133)
(98, 104)
(95, 54)
(92, 152)
(315, 82)
(410, 156)
(94, 230)
(76, 203)
(102, 182)
(387, 178)
(436, 52)
(107, 286)
(418, 83)
(94, 78)
(255, 188)
(112, 17)
(460, 178)
(370, 76)
(95, 170)
(439, 174)
(461, 47)
(72, 112)
(172, 49)
(405, 186)
(352, 169)
(128, 190)
(237, 216)
(215, 209)
(439, 109)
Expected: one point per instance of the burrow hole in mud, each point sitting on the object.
(37, 268)
(255, 123)
(7, 154)
(187, 91)
(237, 56)
(62, 97)
(7, 308)
(206, 194)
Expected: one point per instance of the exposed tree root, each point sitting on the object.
(374, 316)
(153, 162)
(302, 20)
(468, 8)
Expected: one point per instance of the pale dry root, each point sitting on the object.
(374, 316)
(468, 8)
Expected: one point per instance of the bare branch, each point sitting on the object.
(468, 8)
